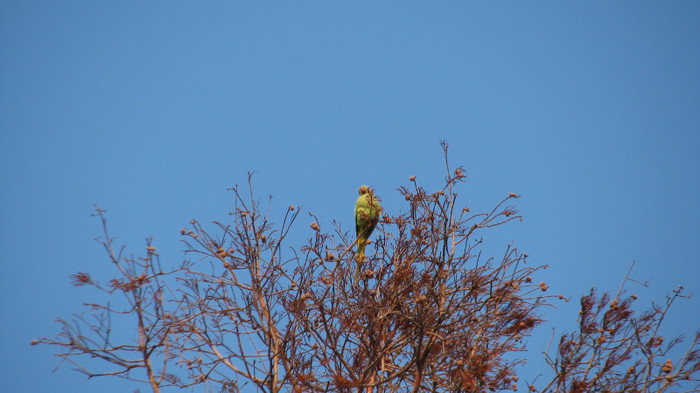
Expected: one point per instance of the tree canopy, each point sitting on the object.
(428, 312)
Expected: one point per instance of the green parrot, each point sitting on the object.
(367, 210)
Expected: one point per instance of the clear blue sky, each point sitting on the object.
(590, 110)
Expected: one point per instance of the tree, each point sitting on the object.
(429, 311)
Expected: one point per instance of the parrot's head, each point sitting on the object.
(364, 190)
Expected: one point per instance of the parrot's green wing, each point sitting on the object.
(367, 211)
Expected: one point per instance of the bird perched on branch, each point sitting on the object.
(367, 210)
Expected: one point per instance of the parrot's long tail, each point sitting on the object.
(361, 244)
